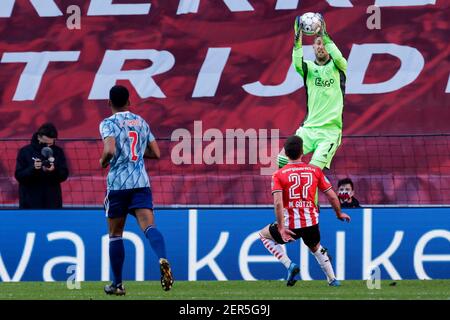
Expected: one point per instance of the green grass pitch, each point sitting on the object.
(234, 290)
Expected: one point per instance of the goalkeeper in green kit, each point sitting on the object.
(324, 79)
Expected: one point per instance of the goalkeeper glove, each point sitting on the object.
(323, 27)
(298, 31)
(323, 31)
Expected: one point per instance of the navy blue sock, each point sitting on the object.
(116, 258)
(156, 241)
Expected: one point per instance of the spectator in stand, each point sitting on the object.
(346, 193)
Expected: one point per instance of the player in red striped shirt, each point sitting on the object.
(294, 189)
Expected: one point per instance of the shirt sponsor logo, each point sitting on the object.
(323, 83)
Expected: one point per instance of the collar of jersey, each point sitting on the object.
(321, 65)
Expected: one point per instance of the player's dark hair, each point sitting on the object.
(293, 147)
(48, 129)
(346, 181)
(119, 95)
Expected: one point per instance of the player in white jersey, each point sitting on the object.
(127, 140)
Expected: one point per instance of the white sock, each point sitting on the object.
(324, 261)
(276, 250)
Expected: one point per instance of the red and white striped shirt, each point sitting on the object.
(299, 182)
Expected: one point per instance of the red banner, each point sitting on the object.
(223, 62)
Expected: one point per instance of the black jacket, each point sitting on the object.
(353, 204)
(39, 189)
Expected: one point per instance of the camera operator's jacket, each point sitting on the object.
(39, 189)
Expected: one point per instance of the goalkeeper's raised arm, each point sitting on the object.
(332, 49)
(324, 82)
(297, 52)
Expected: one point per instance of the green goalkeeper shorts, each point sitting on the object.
(323, 142)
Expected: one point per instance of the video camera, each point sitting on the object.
(48, 160)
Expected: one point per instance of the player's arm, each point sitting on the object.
(297, 51)
(278, 207)
(334, 201)
(109, 149)
(334, 52)
(332, 49)
(152, 151)
(325, 186)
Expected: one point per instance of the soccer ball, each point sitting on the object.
(311, 21)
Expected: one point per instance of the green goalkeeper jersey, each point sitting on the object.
(325, 86)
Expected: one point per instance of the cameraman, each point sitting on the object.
(40, 168)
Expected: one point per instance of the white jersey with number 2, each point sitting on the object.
(132, 135)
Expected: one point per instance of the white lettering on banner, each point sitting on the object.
(71, 282)
(238, 5)
(198, 145)
(191, 6)
(412, 63)
(74, 20)
(209, 259)
(264, 157)
(78, 260)
(420, 257)
(291, 83)
(111, 70)
(213, 152)
(374, 20)
(209, 76)
(24, 259)
(139, 254)
(374, 280)
(36, 65)
(245, 258)
(48, 8)
(447, 90)
(340, 255)
(107, 8)
(188, 6)
(240, 136)
(340, 3)
(382, 259)
(105, 258)
(208, 80)
(44, 8)
(286, 4)
(181, 152)
(405, 3)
